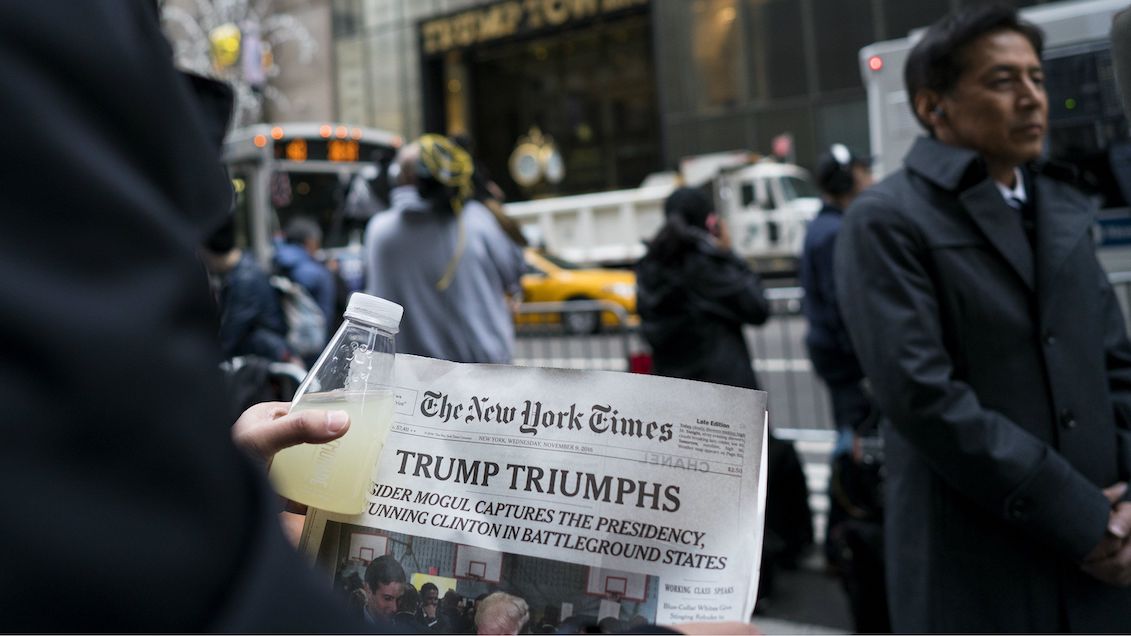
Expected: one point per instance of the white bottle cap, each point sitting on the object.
(372, 310)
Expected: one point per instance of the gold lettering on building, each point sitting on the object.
(586, 8)
(534, 14)
(465, 29)
(556, 12)
(617, 5)
(508, 18)
(499, 21)
(437, 37)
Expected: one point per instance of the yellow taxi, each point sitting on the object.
(552, 279)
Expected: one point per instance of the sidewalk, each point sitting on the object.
(805, 601)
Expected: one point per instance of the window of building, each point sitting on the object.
(841, 29)
(843, 123)
(347, 17)
(776, 41)
(715, 50)
(901, 17)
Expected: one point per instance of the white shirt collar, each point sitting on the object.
(1017, 192)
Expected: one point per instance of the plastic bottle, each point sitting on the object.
(353, 374)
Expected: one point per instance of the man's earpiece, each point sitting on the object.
(939, 112)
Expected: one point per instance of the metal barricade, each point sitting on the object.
(544, 341)
(798, 400)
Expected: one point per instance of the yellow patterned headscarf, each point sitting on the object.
(450, 165)
(453, 168)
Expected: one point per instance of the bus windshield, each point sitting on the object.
(324, 199)
(334, 175)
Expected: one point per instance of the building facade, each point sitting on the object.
(277, 54)
(623, 87)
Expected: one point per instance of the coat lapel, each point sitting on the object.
(1002, 226)
(959, 170)
(1061, 225)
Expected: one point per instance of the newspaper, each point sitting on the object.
(588, 493)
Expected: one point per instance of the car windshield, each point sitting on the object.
(797, 188)
(559, 261)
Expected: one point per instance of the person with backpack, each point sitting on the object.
(294, 258)
(251, 319)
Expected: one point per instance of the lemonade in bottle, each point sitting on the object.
(354, 374)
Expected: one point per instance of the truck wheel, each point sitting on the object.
(581, 322)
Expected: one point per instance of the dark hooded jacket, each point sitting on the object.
(693, 305)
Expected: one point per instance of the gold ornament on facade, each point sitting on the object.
(225, 45)
(536, 158)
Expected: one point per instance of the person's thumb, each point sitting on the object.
(1115, 492)
(303, 427)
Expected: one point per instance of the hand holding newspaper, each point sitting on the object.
(589, 494)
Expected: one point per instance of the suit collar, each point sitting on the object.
(1001, 225)
(962, 172)
(1061, 218)
(948, 167)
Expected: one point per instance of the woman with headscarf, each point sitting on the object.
(694, 295)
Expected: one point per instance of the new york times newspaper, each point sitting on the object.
(589, 494)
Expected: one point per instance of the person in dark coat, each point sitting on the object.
(251, 319)
(694, 295)
(294, 258)
(854, 537)
(842, 176)
(993, 341)
(120, 474)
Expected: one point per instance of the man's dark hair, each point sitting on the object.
(382, 571)
(429, 586)
(301, 228)
(939, 58)
(410, 600)
(223, 239)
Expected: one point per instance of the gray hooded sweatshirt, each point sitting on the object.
(408, 248)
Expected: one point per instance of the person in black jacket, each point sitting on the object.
(694, 295)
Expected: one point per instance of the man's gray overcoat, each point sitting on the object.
(1005, 371)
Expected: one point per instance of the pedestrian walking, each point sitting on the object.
(970, 287)
(854, 535)
(441, 255)
(295, 258)
(842, 176)
(695, 296)
(251, 320)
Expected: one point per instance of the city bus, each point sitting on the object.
(1087, 126)
(317, 170)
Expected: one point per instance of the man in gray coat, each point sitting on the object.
(972, 293)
